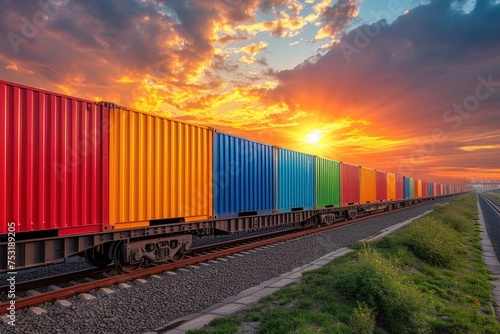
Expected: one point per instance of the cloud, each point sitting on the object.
(253, 49)
(336, 18)
(376, 92)
(406, 78)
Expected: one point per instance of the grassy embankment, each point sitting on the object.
(428, 278)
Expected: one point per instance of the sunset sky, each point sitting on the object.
(411, 87)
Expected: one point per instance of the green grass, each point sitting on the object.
(428, 278)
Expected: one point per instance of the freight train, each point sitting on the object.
(134, 188)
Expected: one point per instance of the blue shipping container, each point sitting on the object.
(429, 192)
(295, 180)
(243, 182)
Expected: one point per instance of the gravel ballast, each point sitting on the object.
(144, 307)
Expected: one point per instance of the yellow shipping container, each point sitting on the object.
(368, 184)
(391, 186)
(419, 188)
(158, 169)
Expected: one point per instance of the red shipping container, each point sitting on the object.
(381, 185)
(350, 178)
(415, 188)
(400, 193)
(53, 157)
(425, 189)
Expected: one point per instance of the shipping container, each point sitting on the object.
(400, 187)
(425, 186)
(160, 170)
(391, 186)
(381, 185)
(53, 152)
(447, 190)
(368, 185)
(409, 187)
(327, 183)
(429, 190)
(295, 180)
(415, 188)
(350, 179)
(243, 177)
(419, 188)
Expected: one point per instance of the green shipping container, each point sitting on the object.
(412, 188)
(327, 183)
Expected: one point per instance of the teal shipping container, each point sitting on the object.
(295, 180)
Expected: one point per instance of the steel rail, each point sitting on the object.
(492, 202)
(197, 255)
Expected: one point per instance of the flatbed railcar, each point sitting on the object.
(134, 188)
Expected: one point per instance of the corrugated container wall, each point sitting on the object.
(242, 177)
(296, 180)
(381, 187)
(400, 187)
(415, 188)
(408, 181)
(419, 188)
(391, 186)
(159, 169)
(368, 185)
(412, 188)
(350, 177)
(53, 162)
(327, 183)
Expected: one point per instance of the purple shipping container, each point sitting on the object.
(400, 193)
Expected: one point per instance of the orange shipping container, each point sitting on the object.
(367, 191)
(419, 188)
(159, 169)
(391, 186)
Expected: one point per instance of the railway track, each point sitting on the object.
(492, 202)
(197, 255)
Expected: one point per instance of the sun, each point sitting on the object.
(313, 137)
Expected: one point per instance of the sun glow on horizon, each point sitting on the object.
(313, 137)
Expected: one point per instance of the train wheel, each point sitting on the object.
(177, 257)
(117, 252)
(96, 258)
